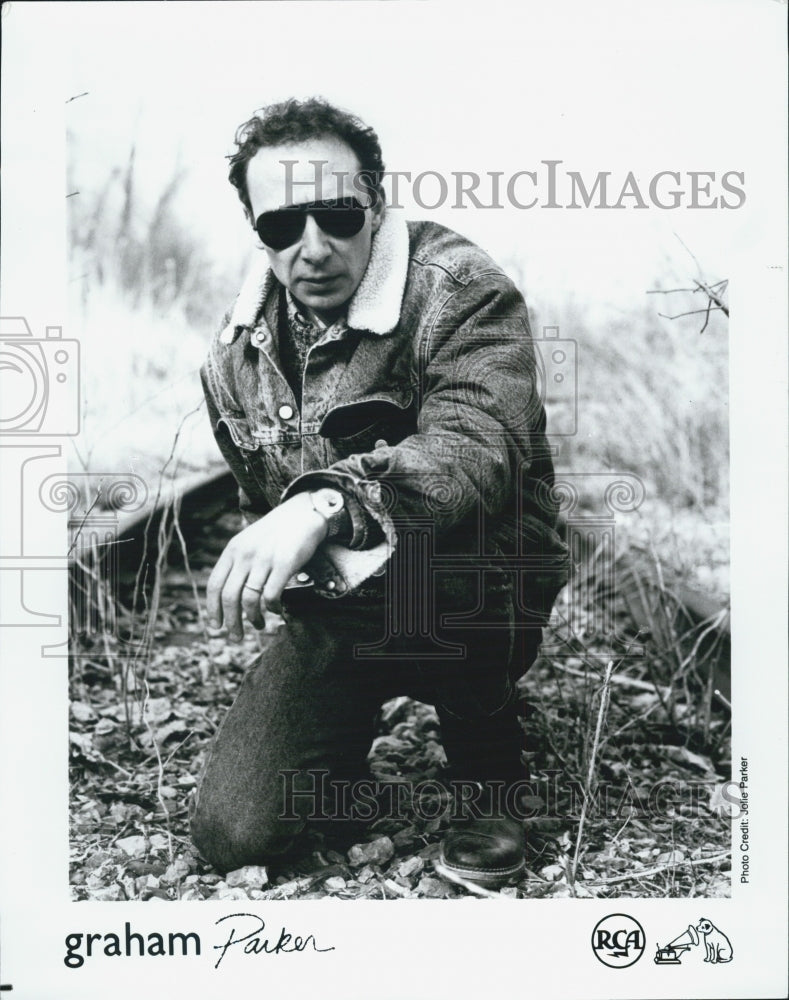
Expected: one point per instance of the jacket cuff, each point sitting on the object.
(373, 539)
(336, 570)
(360, 530)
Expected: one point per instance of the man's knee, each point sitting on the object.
(228, 840)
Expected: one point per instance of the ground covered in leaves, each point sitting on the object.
(644, 815)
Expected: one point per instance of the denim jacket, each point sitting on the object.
(423, 405)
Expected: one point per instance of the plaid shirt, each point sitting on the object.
(296, 335)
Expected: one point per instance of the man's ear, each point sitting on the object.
(378, 210)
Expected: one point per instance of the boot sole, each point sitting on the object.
(481, 876)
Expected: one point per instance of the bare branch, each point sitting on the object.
(713, 291)
(693, 312)
(713, 296)
(707, 317)
(695, 261)
(661, 868)
(84, 519)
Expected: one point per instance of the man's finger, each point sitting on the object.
(278, 578)
(252, 600)
(231, 603)
(216, 583)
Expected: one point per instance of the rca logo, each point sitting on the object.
(618, 940)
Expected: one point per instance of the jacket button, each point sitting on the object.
(303, 577)
(285, 412)
(331, 584)
(381, 443)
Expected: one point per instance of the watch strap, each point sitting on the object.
(330, 504)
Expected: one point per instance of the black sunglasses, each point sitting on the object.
(340, 217)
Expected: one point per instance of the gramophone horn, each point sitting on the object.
(687, 938)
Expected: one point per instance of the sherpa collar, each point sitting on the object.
(374, 306)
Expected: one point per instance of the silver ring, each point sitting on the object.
(247, 587)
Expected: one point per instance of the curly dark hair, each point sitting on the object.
(299, 121)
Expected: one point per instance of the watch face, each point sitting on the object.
(328, 501)
(330, 505)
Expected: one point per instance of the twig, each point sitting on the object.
(713, 296)
(635, 721)
(720, 736)
(695, 312)
(621, 828)
(692, 255)
(170, 756)
(101, 759)
(631, 682)
(548, 739)
(160, 769)
(188, 568)
(713, 292)
(661, 868)
(601, 713)
(78, 531)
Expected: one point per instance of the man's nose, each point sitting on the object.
(314, 244)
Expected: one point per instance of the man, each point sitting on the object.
(374, 391)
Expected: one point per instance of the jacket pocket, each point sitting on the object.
(364, 424)
(268, 460)
(240, 433)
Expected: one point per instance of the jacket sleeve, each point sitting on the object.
(479, 415)
(215, 387)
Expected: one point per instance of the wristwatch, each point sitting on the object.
(330, 504)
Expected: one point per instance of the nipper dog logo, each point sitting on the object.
(717, 947)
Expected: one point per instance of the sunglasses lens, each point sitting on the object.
(282, 229)
(341, 218)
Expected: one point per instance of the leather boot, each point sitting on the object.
(486, 842)
(485, 846)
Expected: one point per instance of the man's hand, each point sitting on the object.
(257, 563)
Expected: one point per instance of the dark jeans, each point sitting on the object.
(310, 702)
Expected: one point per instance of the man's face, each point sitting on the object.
(321, 271)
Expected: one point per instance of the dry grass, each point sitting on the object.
(145, 299)
(140, 384)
